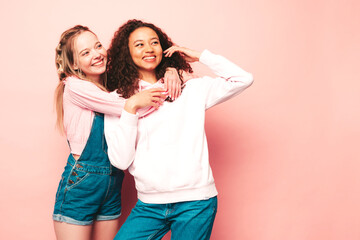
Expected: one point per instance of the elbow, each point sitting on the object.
(120, 166)
(123, 165)
(250, 80)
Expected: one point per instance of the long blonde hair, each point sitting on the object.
(64, 61)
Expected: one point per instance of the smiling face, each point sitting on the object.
(90, 56)
(145, 50)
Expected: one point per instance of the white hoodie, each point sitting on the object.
(167, 151)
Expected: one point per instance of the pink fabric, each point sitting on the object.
(81, 99)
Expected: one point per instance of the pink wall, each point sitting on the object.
(285, 154)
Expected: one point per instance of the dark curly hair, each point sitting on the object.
(122, 72)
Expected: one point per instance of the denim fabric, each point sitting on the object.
(90, 187)
(186, 220)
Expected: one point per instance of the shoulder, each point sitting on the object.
(199, 81)
(198, 86)
(75, 83)
(72, 79)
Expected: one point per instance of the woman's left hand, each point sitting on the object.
(188, 54)
(172, 83)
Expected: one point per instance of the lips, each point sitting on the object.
(149, 58)
(98, 63)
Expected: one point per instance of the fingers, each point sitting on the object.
(166, 84)
(178, 90)
(155, 105)
(160, 96)
(157, 101)
(171, 89)
(166, 52)
(156, 90)
(175, 91)
(172, 81)
(170, 51)
(157, 93)
(152, 97)
(188, 54)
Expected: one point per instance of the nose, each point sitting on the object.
(96, 54)
(149, 48)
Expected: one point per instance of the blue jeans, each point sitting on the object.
(187, 220)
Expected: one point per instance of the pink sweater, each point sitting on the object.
(81, 99)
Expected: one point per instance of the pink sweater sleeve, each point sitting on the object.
(87, 95)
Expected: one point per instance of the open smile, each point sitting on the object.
(99, 63)
(149, 58)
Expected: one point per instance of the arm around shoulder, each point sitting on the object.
(89, 96)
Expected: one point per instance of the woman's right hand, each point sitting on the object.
(188, 54)
(148, 98)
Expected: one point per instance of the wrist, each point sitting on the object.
(197, 55)
(131, 106)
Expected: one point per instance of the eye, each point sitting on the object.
(99, 46)
(139, 45)
(85, 53)
(155, 43)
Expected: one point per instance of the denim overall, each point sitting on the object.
(90, 187)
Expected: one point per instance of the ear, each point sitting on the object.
(75, 67)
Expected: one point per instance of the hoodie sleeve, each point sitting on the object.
(231, 79)
(120, 134)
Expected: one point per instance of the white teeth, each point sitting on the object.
(98, 63)
(148, 58)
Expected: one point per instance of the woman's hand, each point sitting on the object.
(188, 54)
(148, 98)
(172, 83)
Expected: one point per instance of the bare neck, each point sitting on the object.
(148, 76)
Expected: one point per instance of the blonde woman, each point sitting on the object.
(88, 199)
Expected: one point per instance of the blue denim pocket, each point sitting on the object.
(75, 178)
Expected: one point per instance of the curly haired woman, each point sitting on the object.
(167, 152)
